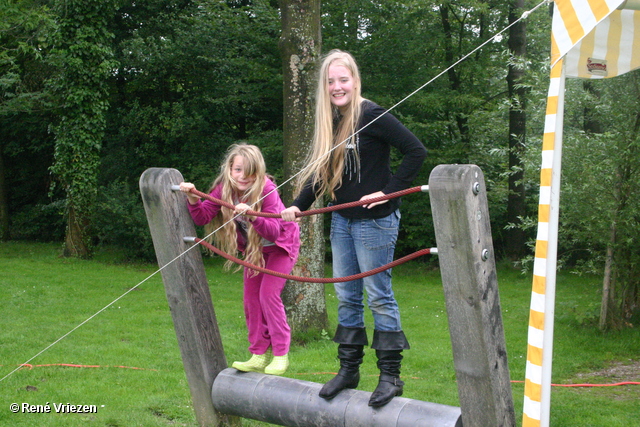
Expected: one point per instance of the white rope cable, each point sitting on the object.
(523, 16)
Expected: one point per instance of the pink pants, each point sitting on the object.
(263, 308)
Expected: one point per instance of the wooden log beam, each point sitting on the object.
(296, 403)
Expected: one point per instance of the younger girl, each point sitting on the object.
(266, 242)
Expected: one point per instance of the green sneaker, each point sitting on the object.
(278, 365)
(257, 363)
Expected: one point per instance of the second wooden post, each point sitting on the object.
(467, 265)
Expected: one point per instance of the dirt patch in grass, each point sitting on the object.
(618, 372)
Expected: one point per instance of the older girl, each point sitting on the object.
(351, 161)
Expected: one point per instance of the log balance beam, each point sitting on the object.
(291, 402)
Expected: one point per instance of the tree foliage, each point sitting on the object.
(93, 93)
(599, 203)
(25, 111)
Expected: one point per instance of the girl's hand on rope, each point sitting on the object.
(289, 214)
(373, 196)
(186, 187)
(241, 209)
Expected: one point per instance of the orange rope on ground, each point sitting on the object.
(70, 365)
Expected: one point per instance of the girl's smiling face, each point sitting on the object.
(243, 183)
(341, 85)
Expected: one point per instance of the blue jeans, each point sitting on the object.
(360, 245)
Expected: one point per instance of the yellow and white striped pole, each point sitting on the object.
(537, 391)
(590, 39)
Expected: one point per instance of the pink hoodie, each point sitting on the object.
(284, 234)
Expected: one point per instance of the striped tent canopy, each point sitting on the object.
(596, 38)
(591, 39)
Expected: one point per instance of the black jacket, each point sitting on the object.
(374, 142)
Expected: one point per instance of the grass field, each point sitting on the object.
(124, 358)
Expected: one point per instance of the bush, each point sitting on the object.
(39, 223)
(119, 220)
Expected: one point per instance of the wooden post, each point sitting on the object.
(467, 264)
(187, 290)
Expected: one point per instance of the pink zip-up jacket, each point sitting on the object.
(284, 234)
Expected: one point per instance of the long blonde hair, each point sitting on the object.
(226, 238)
(325, 169)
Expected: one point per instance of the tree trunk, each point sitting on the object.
(76, 241)
(607, 282)
(84, 63)
(455, 83)
(300, 49)
(462, 154)
(4, 206)
(515, 244)
(591, 123)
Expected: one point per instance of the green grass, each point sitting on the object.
(132, 370)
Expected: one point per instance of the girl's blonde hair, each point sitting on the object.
(325, 170)
(225, 238)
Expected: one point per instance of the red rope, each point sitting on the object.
(308, 213)
(312, 279)
(312, 211)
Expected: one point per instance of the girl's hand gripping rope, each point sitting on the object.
(186, 187)
(289, 214)
(241, 209)
(373, 196)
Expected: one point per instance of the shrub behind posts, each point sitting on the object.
(186, 289)
(467, 264)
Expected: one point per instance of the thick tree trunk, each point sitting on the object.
(83, 60)
(515, 238)
(75, 242)
(300, 48)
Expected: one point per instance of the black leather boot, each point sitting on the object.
(389, 346)
(350, 352)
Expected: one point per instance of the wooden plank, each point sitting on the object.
(467, 264)
(186, 289)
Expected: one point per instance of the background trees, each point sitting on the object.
(600, 195)
(171, 83)
(25, 113)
